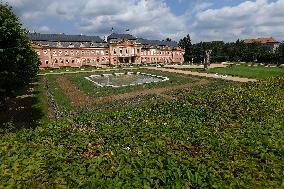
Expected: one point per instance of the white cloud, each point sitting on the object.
(146, 18)
(44, 29)
(248, 19)
(154, 19)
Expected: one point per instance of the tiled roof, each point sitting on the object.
(261, 40)
(121, 36)
(63, 38)
(158, 43)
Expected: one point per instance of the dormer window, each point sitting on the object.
(59, 44)
(71, 45)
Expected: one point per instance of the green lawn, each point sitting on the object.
(225, 138)
(258, 72)
(90, 89)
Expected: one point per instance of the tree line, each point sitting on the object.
(233, 52)
(18, 61)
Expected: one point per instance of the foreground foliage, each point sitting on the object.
(220, 139)
(18, 61)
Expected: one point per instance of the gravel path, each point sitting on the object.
(230, 78)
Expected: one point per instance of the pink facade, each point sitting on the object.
(115, 52)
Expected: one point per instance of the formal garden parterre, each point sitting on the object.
(186, 132)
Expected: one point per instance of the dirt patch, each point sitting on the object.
(76, 96)
(79, 98)
(20, 109)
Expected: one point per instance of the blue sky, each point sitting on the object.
(205, 20)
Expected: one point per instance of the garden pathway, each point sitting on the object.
(230, 78)
(79, 98)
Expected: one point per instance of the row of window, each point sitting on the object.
(73, 53)
(126, 51)
(87, 60)
(160, 53)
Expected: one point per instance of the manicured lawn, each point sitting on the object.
(258, 72)
(94, 91)
(225, 138)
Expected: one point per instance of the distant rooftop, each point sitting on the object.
(261, 40)
(63, 38)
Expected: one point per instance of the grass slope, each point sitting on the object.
(257, 72)
(220, 139)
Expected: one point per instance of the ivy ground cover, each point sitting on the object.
(230, 138)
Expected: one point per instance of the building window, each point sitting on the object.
(84, 60)
(60, 53)
(106, 52)
(77, 53)
(83, 52)
(114, 51)
(88, 60)
(102, 52)
(72, 61)
(67, 61)
(72, 53)
(93, 52)
(45, 52)
(88, 52)
(98, 52)
(120, 52)
(38, 53)
(98, 60)
(46, 62)
(55, 61)
(66, 53)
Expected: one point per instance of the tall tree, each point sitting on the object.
(185, 43)
(18, 61)
(168, 39)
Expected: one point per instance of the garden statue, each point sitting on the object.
(207, 58)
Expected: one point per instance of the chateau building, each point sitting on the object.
(60, 50)
(270, 43)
